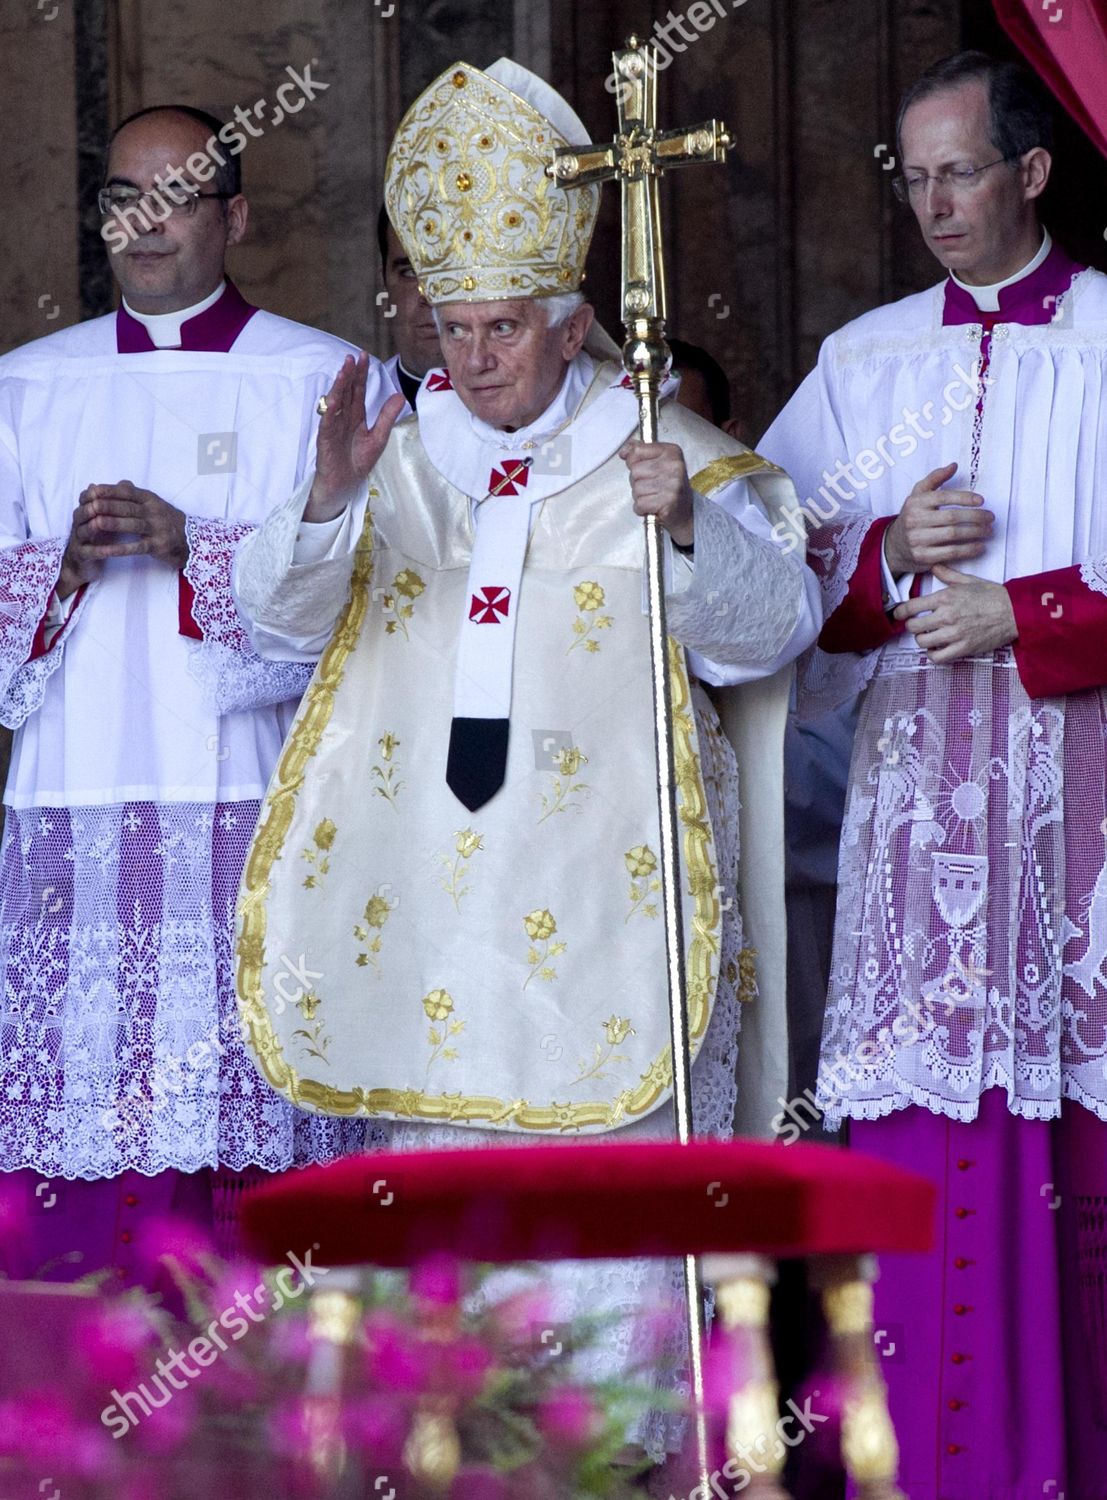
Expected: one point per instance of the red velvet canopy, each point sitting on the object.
(1065, 42)
(581, 1200)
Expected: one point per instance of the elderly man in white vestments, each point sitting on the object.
(460, 847)
(956, 443)
(135, 451)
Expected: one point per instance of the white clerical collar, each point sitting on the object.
(987, 297)
(573, 389)
(165, 328)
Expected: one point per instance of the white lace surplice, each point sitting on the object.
(140, 756)
(971, 935)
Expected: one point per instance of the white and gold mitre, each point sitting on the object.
(467, 191)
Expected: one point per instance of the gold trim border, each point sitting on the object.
(268, 844)
(726, 470)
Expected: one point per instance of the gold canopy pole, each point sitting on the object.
(637, 157)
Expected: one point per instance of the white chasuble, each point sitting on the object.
(400, 956)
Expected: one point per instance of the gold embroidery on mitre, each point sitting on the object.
(467, 190)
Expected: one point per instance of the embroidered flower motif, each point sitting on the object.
(616, 1029)
(323, 839)
(409, 584)
(467, 843)
(386, 776)
(377, 913)
(640, 860)
(314, 1037)
(589, 598)
(439, 1006)
(307, 1005)
(397, 605)
(540, 925)
(568, 760)
(540, 928)
(641, 863)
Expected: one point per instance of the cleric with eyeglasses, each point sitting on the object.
(136, 449)
(963, 553)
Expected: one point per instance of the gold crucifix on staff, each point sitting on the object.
(637, 157)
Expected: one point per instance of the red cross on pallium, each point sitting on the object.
(490, 605)
(518, 481)
(440, 381)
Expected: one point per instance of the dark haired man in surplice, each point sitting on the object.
(136, 450)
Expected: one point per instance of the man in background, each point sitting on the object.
(952, 445)
(136, 450)
(414, 333)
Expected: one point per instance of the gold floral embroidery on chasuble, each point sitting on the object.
(492, 969)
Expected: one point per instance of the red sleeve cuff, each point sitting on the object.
(39, 645)
(862, 622)
(186, 598)
(1062, 626)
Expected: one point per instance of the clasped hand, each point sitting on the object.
(120, 520)
(936, 527)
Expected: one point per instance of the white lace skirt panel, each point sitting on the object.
(971, 934)
(120, 1044)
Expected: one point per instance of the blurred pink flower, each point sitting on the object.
(36, 1427)
(289, 1339)
(49, 1436)
(466, 1365)
(293, 1426)
(168, 1427)
(396, 1358)
(437, 1279)
(245, 1281)
(568, 1418)
(479, 1483)
(515, 1318)
(113, 1342)
(377, 1426)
